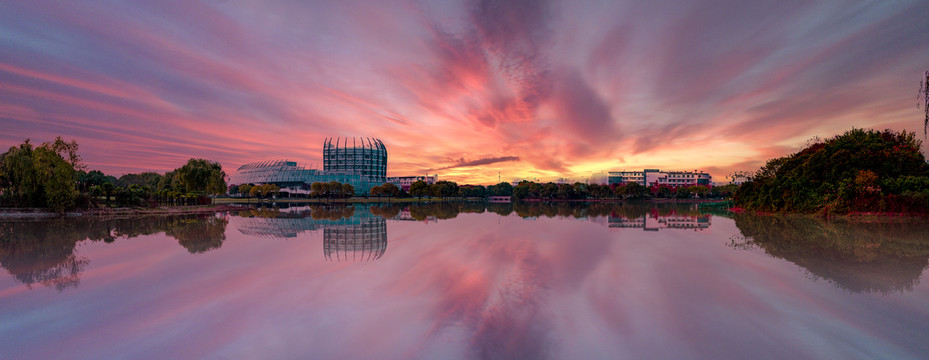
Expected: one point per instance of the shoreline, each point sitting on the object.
(40, 213)
(228, 204)
(450, 199)
(852, 215)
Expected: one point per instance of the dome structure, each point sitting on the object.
(360, 156)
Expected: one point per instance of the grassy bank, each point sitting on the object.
(42, 213)
(336, 200)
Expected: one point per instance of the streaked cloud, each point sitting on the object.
(478, 162)
(563, 86)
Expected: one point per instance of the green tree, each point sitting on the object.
(348, 190)
(824, 176)
(42, 176)
(148, 178)
(168, 181)
(501, 189)
(107, 189)
(316, 189)
(93, 178)
(581, 190)
(419, 189)
(334, 189)
(245, 189)
(391, 189)
(201, 176)
(445, 188)
(548, 190)
(57, 178)
(20, 177)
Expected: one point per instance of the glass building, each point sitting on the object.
(361, 162)
(363, 156)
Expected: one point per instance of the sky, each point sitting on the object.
(473, 91)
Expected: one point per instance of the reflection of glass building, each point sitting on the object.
(357, 242)
(653, 223)
(359, 235)
(360, 162)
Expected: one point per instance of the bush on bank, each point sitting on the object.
(858, 171)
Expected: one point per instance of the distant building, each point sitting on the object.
(656, 177)
(404, 182)
(361, 162)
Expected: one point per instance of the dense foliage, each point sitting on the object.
(51, 176)
(861, 170)
(40, 176)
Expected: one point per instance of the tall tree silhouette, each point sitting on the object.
(924, 103)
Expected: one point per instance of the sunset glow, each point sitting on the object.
(468, 90)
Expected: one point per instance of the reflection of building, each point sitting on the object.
(653, 223)
(278, 227)
(353, 235)
(361, 162)
(404, 182)
(407, 215)
(655, 177)
(357, 242)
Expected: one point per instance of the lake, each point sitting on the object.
(463, 281)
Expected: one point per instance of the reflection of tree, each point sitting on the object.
(32, 254)
(502, 209)
(579, 210)
(441, 210)
(879, 257)
(389, 211)
(356, 242)
(261, 212)
(43, 252)
(332, 212)
(200, 234)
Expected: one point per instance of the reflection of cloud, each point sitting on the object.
(515, 326)
(494, 288)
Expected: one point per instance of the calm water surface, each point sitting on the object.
(450, 281)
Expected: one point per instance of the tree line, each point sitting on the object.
(52, 176)
(525, 190)
(860, 170)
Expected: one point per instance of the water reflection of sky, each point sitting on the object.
(474, 286)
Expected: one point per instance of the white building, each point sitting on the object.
(404, 182)
(656, 177)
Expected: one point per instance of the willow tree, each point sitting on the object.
(201, 176)
(40, 176)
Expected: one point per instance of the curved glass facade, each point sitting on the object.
(363, 156)
(361, 162)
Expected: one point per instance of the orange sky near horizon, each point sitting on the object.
(468, 90)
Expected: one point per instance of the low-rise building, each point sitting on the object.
(404, 182)
(656, 177)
